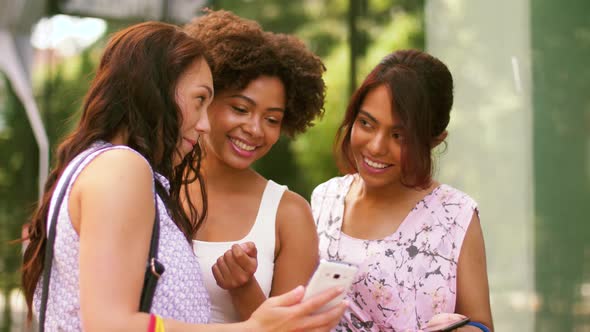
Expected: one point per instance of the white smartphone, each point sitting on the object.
(330, 274)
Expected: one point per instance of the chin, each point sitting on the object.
(237, 163)
(378, 180)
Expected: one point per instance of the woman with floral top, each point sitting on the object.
(418, 243)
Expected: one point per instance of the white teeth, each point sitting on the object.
(242, 145)
(375, 164)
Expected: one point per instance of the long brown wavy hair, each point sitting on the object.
(133, 92)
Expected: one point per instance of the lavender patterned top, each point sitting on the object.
(407, 277)
(180, 293)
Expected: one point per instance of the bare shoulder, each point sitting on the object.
(117, 180)
(474, 235)
(294, 217)
(116, 168)
(294, 208)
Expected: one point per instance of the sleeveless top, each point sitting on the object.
(262, 234)
(180, 293)
(407, 277)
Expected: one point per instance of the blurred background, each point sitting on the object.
(519, 138)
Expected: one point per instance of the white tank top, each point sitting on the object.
(262, 234)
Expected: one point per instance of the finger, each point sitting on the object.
(223, 268)
(231, 262)
(290, 298)
(317, 301)
(326, 320)
(250, 249)
(247, 263)
(238, 275)
(218, 276)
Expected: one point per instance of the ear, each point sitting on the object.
(439, 139)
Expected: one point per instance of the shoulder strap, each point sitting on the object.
(263, 230)
(271, 198)
(154, 266)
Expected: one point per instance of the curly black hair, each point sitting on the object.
(240, 51)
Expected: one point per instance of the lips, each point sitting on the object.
(242, 148)
(192, 142)
(242, 144)
(374, 166)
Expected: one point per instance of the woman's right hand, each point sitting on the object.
(287, 313)
(236, 267)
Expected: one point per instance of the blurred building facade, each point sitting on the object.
(520, 143)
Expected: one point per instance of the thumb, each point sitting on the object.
(290, 298)
(250, 249)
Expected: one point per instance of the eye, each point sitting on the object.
(200, 101)
(273, 120)
(364, 123)
(239, 109)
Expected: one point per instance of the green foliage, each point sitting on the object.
(301, 164)
(62, 87)
(314, 149)
(385, 25)
(18, 182)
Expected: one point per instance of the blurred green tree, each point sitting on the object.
(383, 26)
(62, 87)
(303, 163)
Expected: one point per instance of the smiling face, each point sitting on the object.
(376, 139)
(194, 92)
(246, 124)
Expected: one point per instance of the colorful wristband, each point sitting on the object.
(152, 324)
(479, 326)
(159, 324)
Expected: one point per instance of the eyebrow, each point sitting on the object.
(208, 88)
(372, 118)
(252, 102)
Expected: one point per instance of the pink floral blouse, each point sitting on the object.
(410, 275)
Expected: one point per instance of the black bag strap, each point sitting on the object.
(154, 268)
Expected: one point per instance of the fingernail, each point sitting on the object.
(346, 303)
(340, 289)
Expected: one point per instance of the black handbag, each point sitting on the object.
(154, 268)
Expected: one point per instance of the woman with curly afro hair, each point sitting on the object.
(255, 230)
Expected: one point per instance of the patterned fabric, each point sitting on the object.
(407, 277)
(180, 293)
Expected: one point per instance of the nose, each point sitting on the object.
(252, 126)
(377, 146)
(203, 126)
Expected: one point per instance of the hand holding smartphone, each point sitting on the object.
(330, 274)
(446, 322)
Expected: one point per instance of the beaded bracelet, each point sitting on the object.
(479, 326)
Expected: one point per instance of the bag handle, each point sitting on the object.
(154, 268)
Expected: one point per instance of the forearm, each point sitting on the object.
(246, 299)
(176, 326)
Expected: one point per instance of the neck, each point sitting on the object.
(120, 139)
(219, 175)
(388, 194)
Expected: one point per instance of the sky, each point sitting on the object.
(68, 35)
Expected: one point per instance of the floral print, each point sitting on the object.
(406, 277)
